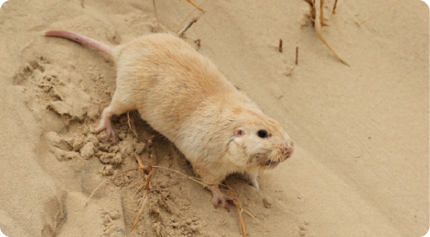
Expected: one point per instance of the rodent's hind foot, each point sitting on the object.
(222, 198)
(109, 132)
(106, 124)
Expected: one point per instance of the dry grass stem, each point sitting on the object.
(123, 216)
(104, 182)
(147, 179)
(165, 199)
(297, 55)
(197, 6)
(88, 200)
(141, 166)
(190, 14)
(198, 41)
(195, 179)
(147, 174)
(140, 212)
(280, 46)
(194, 20)
(334, 7)
(239, 209)
(322, 14)
(149, 169)
(156, 15)
(319, 24)
(138, 189)
(312, 10)
(253, 217)
(129, 124)
(370, 18)
(318, 27)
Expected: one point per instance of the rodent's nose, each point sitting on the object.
(288, 150)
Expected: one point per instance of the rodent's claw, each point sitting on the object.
(107, 136)
(114, 138)
(109, 133)
(99, 131)
(226, 206)
(223, 201)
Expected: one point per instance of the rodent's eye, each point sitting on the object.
(262, 133)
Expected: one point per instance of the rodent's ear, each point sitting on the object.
(239, 132)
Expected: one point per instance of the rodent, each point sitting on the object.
(181, 94)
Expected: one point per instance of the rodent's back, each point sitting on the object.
(169, 81)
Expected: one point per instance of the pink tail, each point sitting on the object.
(80, 39)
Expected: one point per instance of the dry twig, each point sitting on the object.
(334, 7)
(370, 18)
(198, 41)
(312, 10)
(156, 15)
(88, 199)
(239, 209)
(318, 27)
(322, 14)
(197, 180)
(147, 177)
(164, 198)
(297, 55)
(253, 217)
(140, 212)
(194, 20)
(129, 125)
(319, 23)
(318, 30)
(197, 6)
(280, 46)
(123, 216)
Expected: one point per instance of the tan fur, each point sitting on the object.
(182, 95)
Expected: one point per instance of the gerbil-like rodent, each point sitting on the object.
(182, 95)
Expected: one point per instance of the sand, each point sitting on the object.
(361, 165)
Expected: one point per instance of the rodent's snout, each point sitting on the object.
(280, 154)
(287, 150)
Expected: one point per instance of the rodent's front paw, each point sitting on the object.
(221, 198)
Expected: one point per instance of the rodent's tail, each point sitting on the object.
(80, 39)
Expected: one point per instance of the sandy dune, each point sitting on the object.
(361, 165)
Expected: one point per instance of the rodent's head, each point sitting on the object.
(259, 141)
